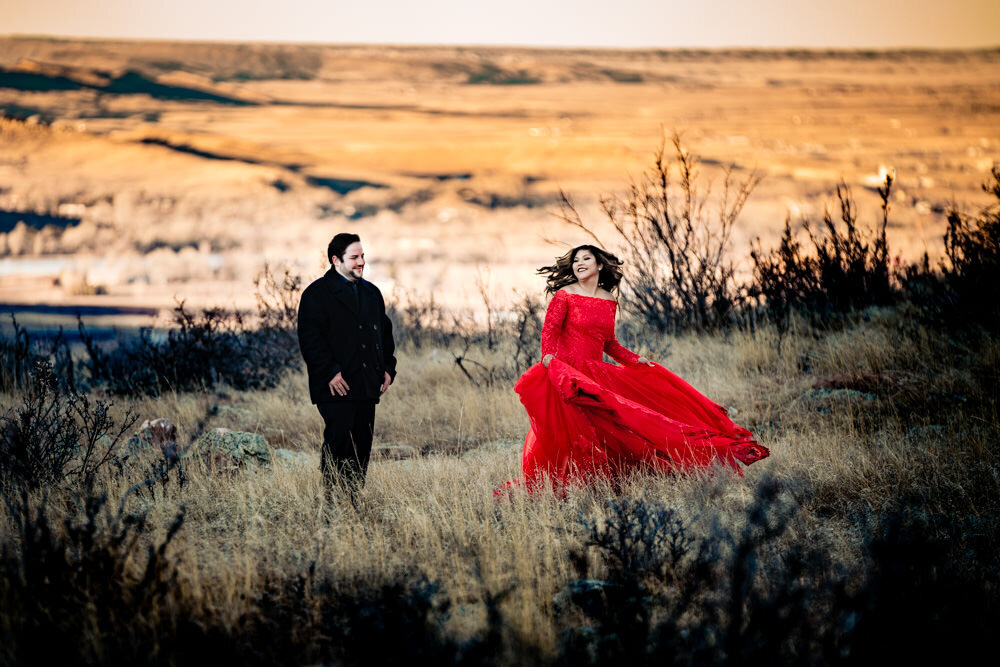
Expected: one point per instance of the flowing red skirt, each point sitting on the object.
(603, 420)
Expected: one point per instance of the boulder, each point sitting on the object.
(224, 450)
(158, 435)
(296, 459)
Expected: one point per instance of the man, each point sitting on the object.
(346, 341)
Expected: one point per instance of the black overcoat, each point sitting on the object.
(336, 335)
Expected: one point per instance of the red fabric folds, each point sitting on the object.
(591, 418)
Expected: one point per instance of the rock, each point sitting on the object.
(238, 414)
(396, 452)
(222, 449)
(154, 434)
(296, 459)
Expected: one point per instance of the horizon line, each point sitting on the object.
(733, 47)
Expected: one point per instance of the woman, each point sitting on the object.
(591, 418)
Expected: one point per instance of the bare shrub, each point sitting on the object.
(965, 290)
(845, 268)
(57, 434)
(497, 351)
(678, 274)
(205, 349)
(277, 298)
(507, 347)
(273, 338)
(424, 323)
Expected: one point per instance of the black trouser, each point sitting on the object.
(347, 442)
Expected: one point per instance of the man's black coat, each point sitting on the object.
(336, 335)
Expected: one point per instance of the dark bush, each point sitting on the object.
(198, 351)
(202, 350)
(844, 269)
(109, 601)
(741, 597)
(642, 538)
(965, 290)
(56, 434)
(311, 619)
(928, 596)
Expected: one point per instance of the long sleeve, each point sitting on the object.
(388, 345)
(312, 342)
(619, 352)
(555, 316)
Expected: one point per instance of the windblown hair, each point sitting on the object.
(560, 274)
(338, 245)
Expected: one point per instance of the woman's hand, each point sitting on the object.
(644, 360)
(547, 358)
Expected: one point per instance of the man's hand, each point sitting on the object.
(338, 386)
(644, 361)
(385, 383)
(547, 358)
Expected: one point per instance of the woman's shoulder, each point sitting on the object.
(605, 294)
(601, 294)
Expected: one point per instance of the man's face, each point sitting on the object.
(353, 263)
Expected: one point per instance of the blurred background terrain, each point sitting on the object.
(132, 172)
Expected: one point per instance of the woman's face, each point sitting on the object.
(585, 265)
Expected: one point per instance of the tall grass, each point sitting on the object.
(872, 470)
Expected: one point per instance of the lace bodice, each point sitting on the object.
(580, 328)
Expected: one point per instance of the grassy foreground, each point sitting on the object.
(870, 530)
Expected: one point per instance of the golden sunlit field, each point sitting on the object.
(179, 168)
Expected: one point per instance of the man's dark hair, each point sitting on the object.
(339, 245)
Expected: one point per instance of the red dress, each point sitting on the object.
(592, 418)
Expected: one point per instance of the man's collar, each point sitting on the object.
(344, 278)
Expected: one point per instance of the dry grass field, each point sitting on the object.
(872, 421)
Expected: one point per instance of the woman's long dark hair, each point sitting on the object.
(560, 274)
